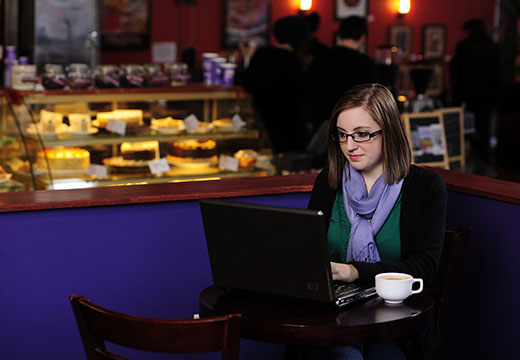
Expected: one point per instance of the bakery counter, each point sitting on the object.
(177, 190)
(154, 193)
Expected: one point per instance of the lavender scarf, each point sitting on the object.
(360, 208)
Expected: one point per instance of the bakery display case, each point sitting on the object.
(11, 148)
(107, 137)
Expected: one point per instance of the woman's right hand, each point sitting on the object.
(344, 272)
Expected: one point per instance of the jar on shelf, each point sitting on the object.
(107, 77)
(177, 72)
(78, 76)
(154, 76)
(53, 77)
(132, 76)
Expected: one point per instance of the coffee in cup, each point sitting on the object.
(395, 287)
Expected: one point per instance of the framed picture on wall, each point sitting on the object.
(436, 86)
(434, 41)
(346, 8)
(125, 24)
(401, 35)
(246, 21)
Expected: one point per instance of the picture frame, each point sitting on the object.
(436, 86)
(401, 35)
(425, 132)
(125, 24)
(346, 8)
(240, 30)
(434, 41)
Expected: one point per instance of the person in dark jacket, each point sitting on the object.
(384, 214)
(476, 78)
(340, 68)
(275, 81)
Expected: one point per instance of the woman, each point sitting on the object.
(384, 214)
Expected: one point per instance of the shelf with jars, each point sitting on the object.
(78, 138)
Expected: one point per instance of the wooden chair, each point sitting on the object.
(97, 325)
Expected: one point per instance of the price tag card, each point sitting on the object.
(159, 166)
(191, 123)
(228, 162)
(237, 122)
(116, 126)
(99, 171)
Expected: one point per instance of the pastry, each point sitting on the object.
(63, 159)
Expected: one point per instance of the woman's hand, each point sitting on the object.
(344, 272)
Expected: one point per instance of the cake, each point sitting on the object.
(146, 150)
(167, 124)
(63, 159)
(223, 124)
(193, 150)
(132, 118)
(202, 128)
(246, 158)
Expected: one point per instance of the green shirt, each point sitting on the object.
(388, 239)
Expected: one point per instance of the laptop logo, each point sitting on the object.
(312, 286)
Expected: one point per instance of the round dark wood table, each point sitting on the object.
(283, 321)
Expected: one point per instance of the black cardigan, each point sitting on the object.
(422, 223)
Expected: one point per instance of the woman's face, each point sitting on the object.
(366, 157)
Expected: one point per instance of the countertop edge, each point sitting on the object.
(154, 193)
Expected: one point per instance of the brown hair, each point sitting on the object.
(378, 101)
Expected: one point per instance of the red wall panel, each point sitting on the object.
(201, 25)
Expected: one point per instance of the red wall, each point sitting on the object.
(201, 25)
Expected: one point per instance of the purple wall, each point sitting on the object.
(486, 321)
(151, 260)
(147, 260)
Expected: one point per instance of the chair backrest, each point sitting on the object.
(97, 325)
(455, 244)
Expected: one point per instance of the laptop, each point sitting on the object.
(273, 250)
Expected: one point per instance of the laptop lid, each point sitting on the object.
(268, 249)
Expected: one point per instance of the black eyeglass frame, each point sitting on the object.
(335, 136)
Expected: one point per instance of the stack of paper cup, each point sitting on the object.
(216, 75)
(228, 74)
(207, 67)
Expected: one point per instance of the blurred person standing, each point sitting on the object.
(340, 68)
(316, 47)
(475, 79)
(274, 79)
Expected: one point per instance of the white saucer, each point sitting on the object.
(32, 130)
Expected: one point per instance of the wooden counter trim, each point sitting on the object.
(137, 194)
(481, 186)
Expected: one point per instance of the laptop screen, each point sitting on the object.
(268, 249)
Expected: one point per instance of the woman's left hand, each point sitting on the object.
(344, 272)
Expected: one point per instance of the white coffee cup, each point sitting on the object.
(395, 287)
(50, 121)
(79, 122)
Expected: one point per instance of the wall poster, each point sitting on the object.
(246, 22)
(125, 24)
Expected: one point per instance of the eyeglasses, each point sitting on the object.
(359, 136)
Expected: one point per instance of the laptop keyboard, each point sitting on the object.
(343, 289)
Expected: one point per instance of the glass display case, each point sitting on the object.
(63, 139)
